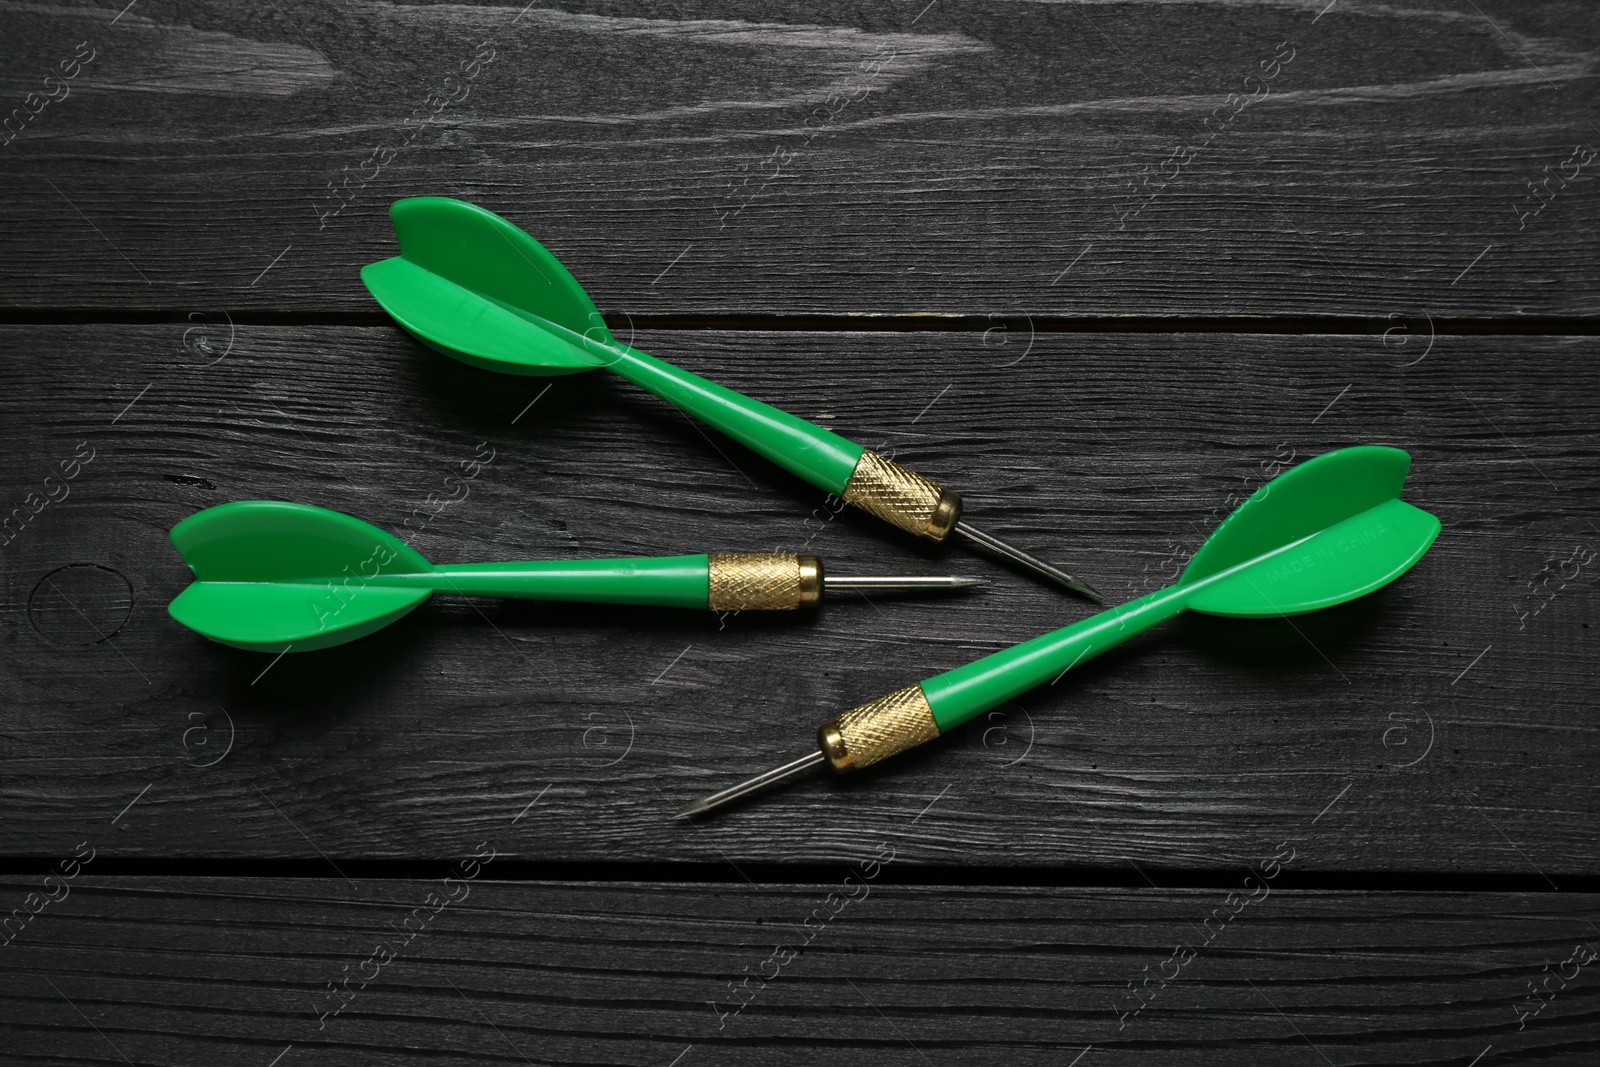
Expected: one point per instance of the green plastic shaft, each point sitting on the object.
(820, 456)
(665, 581)
(958, 695)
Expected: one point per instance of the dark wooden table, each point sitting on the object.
(1098, 265)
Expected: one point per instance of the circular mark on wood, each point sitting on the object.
(80, 604)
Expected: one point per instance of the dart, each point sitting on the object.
(276, 577)
(1325, 532)
(473, 286)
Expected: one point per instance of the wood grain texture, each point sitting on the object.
(781, 158)
(181, 970)
(1443, 724)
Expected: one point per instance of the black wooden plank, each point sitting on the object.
(1444, 723)
(999, 158)
(187, 970)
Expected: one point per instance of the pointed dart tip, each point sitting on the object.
(751, 785)
(1039, 566)
(1078, 585)
(900, 583)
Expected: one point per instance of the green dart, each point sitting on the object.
(473, 286)
(275, 577)
(1328, 531)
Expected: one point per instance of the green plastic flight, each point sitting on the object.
(475, 287)
(1325, 532)
(275, 577)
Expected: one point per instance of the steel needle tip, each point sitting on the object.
(752, 785)
(1056, 574)
(848, 583)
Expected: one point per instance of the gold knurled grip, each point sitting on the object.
(875, 731)
(764, 581)
(903, 497)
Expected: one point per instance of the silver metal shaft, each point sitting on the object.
(1033, 563)
(756, 784)
(896, 583)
